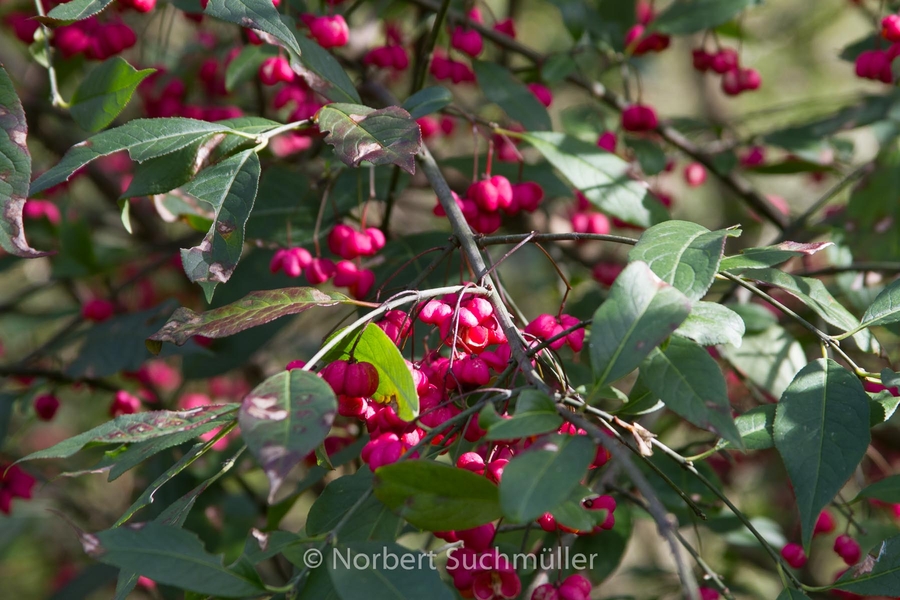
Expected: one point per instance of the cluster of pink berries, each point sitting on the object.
(42, 209)
(485, 575)
(637, 40)
(585, 219)
(98, 309)
(844, 545)
(432, 126)
(94, 39)
(545, 327)
(877, 64)
(392, 55)
(486, 199)
(726, 62)
(169, 100)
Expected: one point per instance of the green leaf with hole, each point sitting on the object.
(437, 497)
(395, 382)
(822, 433)
(688, 380)
(367, 570)
(503, 89)
(712, 324)
(142, 138)
(878, 577)
(640, 312)
(387, 136)
(139, 427)
(683, 254)
(105, 92)
(535, 414)
(15, 171)
(171, 556)
(254, 309)
(601, 176)
(427, 100)
(285, 418)
(543, 476)
(230, 188)
(684, 17)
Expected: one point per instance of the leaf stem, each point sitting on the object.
(56, 98)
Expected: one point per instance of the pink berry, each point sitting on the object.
(435, 312)
(478, 538)
(639, 117)
(547, 522)
(724, 60)
(527, 196)
(485, 195)
(506, 27)
(363, 285)
(71, 40)
(824, 524)
(46, 406)
(295, 364)
(360, 379)
(330, 31)
(701, 59)
(731, 82)
(890, 28)
(346, 273)
(494, 470)
(320, 270)
(141, 6)
(275, 70)
(848, 549)
(98, 309)
(607, 141)
(606, 272)
(124, 404)
(334, 375)
(575, 587)
(467, 41)
(471, 461)
(694, 174)
(542, 93)
(708, 594)
(750, 79)
(793, 554)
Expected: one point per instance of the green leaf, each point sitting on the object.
(387, 136)
(769, 359)
(886, 490)
(602, 177)
(690, 383)
(683, 254)
(712, 324)
(171, 556)
(883, 406)
(142, 138)
(322, 72)
(427, 100)
(395, 382)
(245, 66)
(15, 171)
(640, 400)
(103, 94)
(371, 521)
(260, 15)
(640, 312)
(542, 477)
(790, 594)
(822, 433)
(75, 10)
(605, 551)
(366, 570)
(756, 317)
(691, 16)
(254, 309)
(165, 173)
(650, 156)
(811, 292)
(756, 427)
(535, 414)
(437, 497)
(885, 309)
(139, 427)
(503, 89)
(230, 187)
(890, 378)
(880, 577)
(283, 419)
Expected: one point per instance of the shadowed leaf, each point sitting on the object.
(15, 171)
(103, 94)
(230, 187)
(75, 10)
(283, 419)
(256, 308)
(260, 15)
(381, 137)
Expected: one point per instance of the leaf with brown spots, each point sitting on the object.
(256, 308)
(139, 427)
(283, 419)
(388, 136)
(15, 171)
(230, 187)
